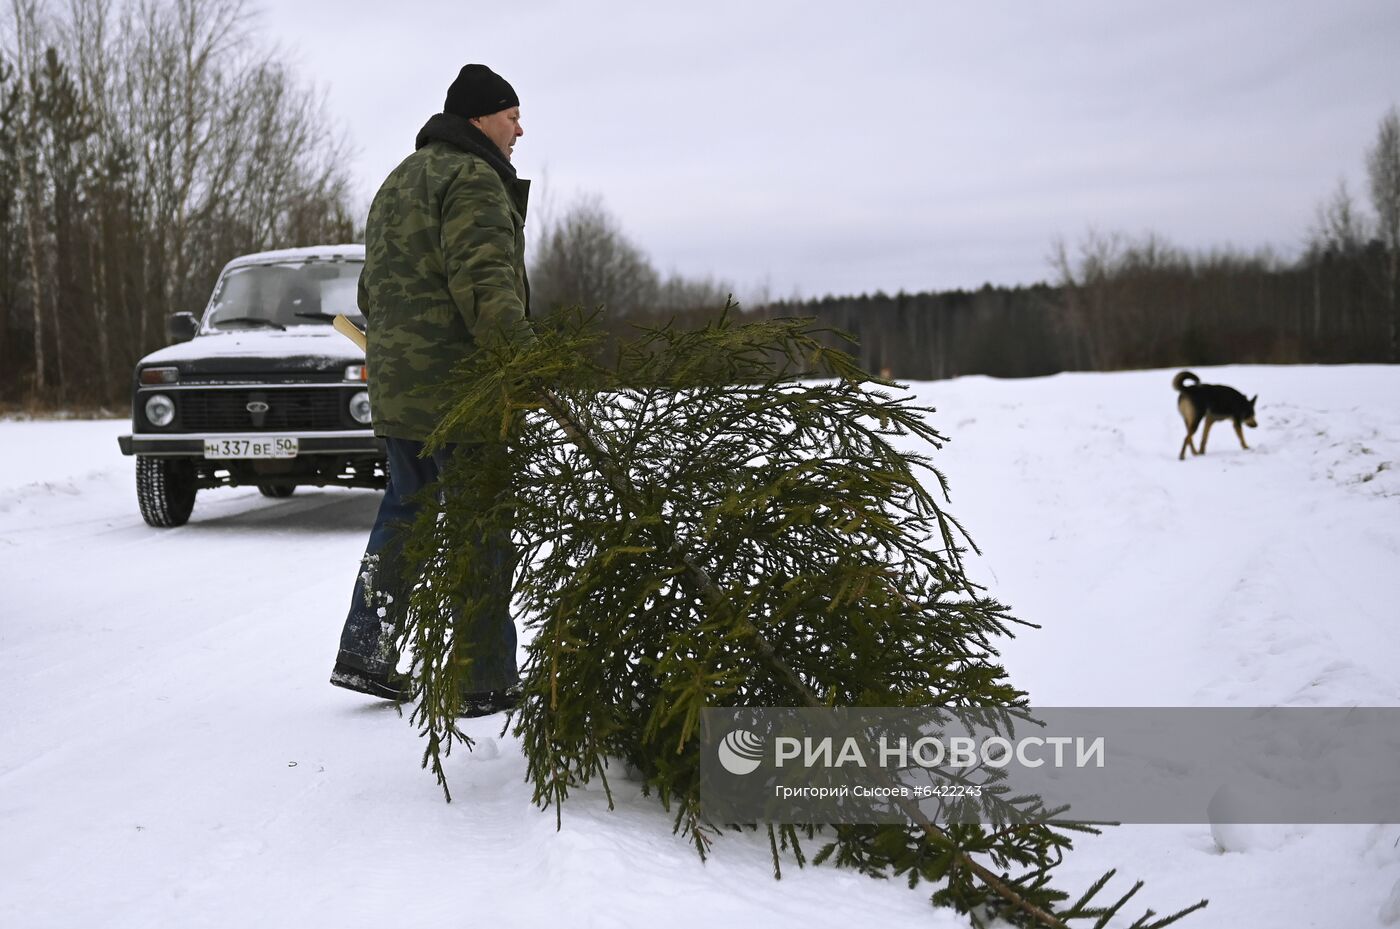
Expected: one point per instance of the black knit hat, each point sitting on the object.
(479, 91)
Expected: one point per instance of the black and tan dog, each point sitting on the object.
(1210, 402)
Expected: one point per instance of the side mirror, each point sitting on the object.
(181, 327)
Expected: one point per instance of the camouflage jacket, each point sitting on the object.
(444, 270)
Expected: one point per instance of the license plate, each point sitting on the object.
(259, 447)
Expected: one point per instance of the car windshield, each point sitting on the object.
(284, 294)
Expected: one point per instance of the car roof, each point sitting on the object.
(311, 253)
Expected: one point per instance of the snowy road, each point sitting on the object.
(174, 756)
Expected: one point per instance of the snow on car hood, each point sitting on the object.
(302, 346)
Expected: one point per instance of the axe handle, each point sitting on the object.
(351, 331)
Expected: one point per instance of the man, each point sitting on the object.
(444, 273)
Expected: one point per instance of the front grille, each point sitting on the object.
(255, 378)
(289, 409)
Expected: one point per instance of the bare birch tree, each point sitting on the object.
(584, 259)
(1383, 173)
(26, 28)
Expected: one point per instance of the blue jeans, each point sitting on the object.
(369, 640)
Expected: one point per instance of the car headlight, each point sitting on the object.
(160, 375)
(357, 373)
(160, 410)
(359, 407)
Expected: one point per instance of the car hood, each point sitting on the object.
(301, 348)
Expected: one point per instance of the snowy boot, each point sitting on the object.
(385, 683)
(487, 702)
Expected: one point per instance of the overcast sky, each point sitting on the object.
(827, 147)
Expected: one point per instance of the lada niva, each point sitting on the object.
(258, 391)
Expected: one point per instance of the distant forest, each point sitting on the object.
(1146, 309)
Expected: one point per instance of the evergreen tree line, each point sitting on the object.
(1130, 304)
(1123, 304)
(143, 143)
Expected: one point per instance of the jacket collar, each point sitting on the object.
(460, 133)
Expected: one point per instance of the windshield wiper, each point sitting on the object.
(250, 319)
(322, 316)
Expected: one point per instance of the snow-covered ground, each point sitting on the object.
(173, 755)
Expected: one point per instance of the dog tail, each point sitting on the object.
(1184, 378)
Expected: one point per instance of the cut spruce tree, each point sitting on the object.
(729, 516)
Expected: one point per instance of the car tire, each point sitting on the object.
(277, 491)
(165, 488)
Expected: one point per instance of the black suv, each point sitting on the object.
(262, 391)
